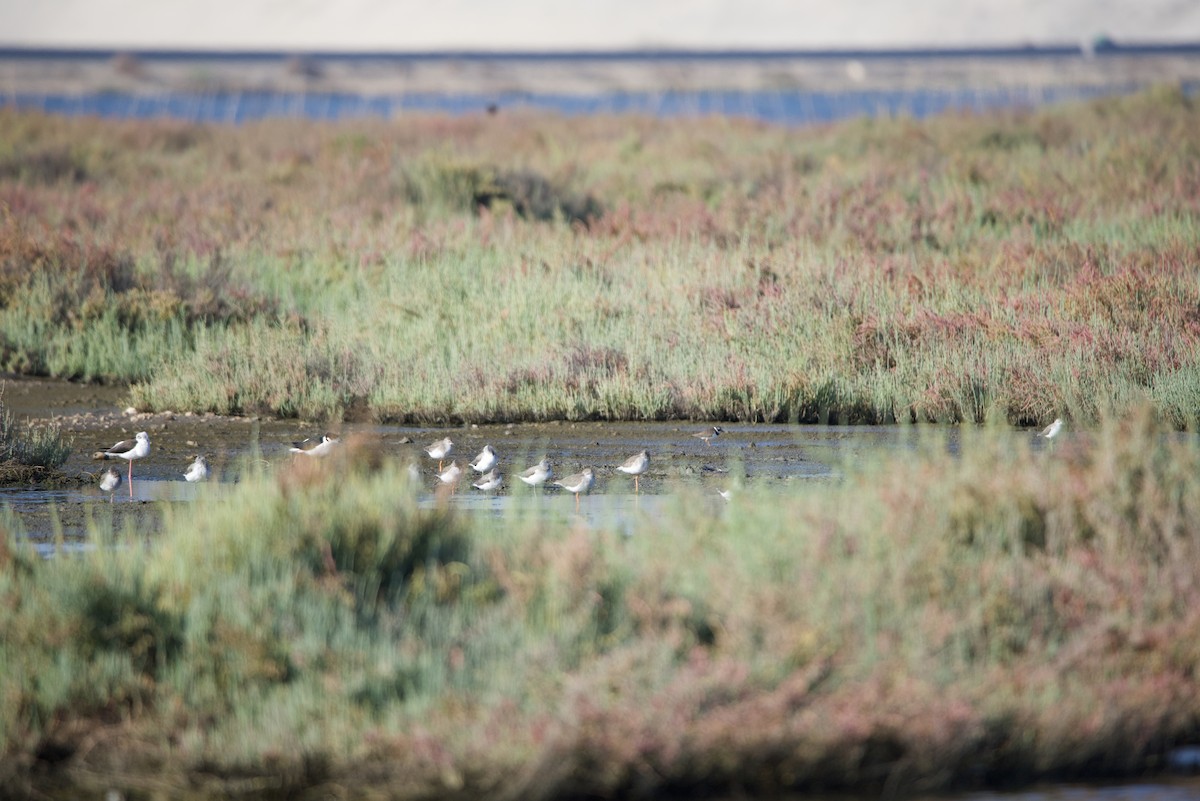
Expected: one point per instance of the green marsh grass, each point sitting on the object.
(24, 446)
(1013, 266)
(930, 621)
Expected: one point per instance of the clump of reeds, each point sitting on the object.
(474, 187)
(22, 445)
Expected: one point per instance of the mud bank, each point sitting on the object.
(94, 417)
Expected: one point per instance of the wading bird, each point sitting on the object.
(129, 450)
(451, 474)
(539, 474)
(635, 466)
(580, 482)
(489, 481)
(440, 450)
(1051, 431)
(197, 470)
(485, 461)
(110, 479)
(311, 447)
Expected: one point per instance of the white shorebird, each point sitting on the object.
(489, 481)
(1051, 431)
(635, 466)
(110, 479)
(440, 450)
(580, 482)
(451, 474)
(197, 470)
(311, 447)
(537, 475)
(129, 450)
(710, 433)
(726, 494)
(485, 461)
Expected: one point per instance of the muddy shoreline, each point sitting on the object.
(93, 417)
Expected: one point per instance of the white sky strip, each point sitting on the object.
(589, 24)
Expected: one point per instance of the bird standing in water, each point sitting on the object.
(110, 479)
(310, 447)
(440, 450)
(489, 481)
(451, 475)
(485, 461)
(537, 475)
(1051, 431)
(635, 466)
(580, 482)
(197, 470)
(130, 450)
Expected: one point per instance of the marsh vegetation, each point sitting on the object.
(27, 450)
(930, 622)
(1014, 266)
(932, 619)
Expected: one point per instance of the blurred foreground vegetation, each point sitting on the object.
(930, 622)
